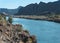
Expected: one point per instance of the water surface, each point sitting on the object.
(45, 31)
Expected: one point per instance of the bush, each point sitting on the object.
(10, 19)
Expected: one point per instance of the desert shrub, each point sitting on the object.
(10, 19)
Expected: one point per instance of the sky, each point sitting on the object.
(12, 4)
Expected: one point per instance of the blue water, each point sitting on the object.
(45, 31)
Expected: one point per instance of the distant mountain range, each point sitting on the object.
(9, 11)
(35, 9)
(40, 9)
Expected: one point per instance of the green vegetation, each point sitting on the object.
(10, 19)
(2, 19)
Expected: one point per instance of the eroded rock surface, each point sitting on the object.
(15, 34)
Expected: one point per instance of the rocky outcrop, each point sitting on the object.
(10, 33)
(15, 34)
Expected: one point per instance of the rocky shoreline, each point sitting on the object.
(53, 19)
(15, 34)
(10, 33)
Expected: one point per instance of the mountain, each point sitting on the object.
(41, 8)
(9, 11)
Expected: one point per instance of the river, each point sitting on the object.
(45, 31)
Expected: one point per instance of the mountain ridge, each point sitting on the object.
(9, 11)
(40, 9)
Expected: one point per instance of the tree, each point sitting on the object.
(10, 19)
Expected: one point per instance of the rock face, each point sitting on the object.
(41, 9)
(10, 33)
(15, 34)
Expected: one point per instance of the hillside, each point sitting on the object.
(9, 11)
(40, 9)
(14, 33)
